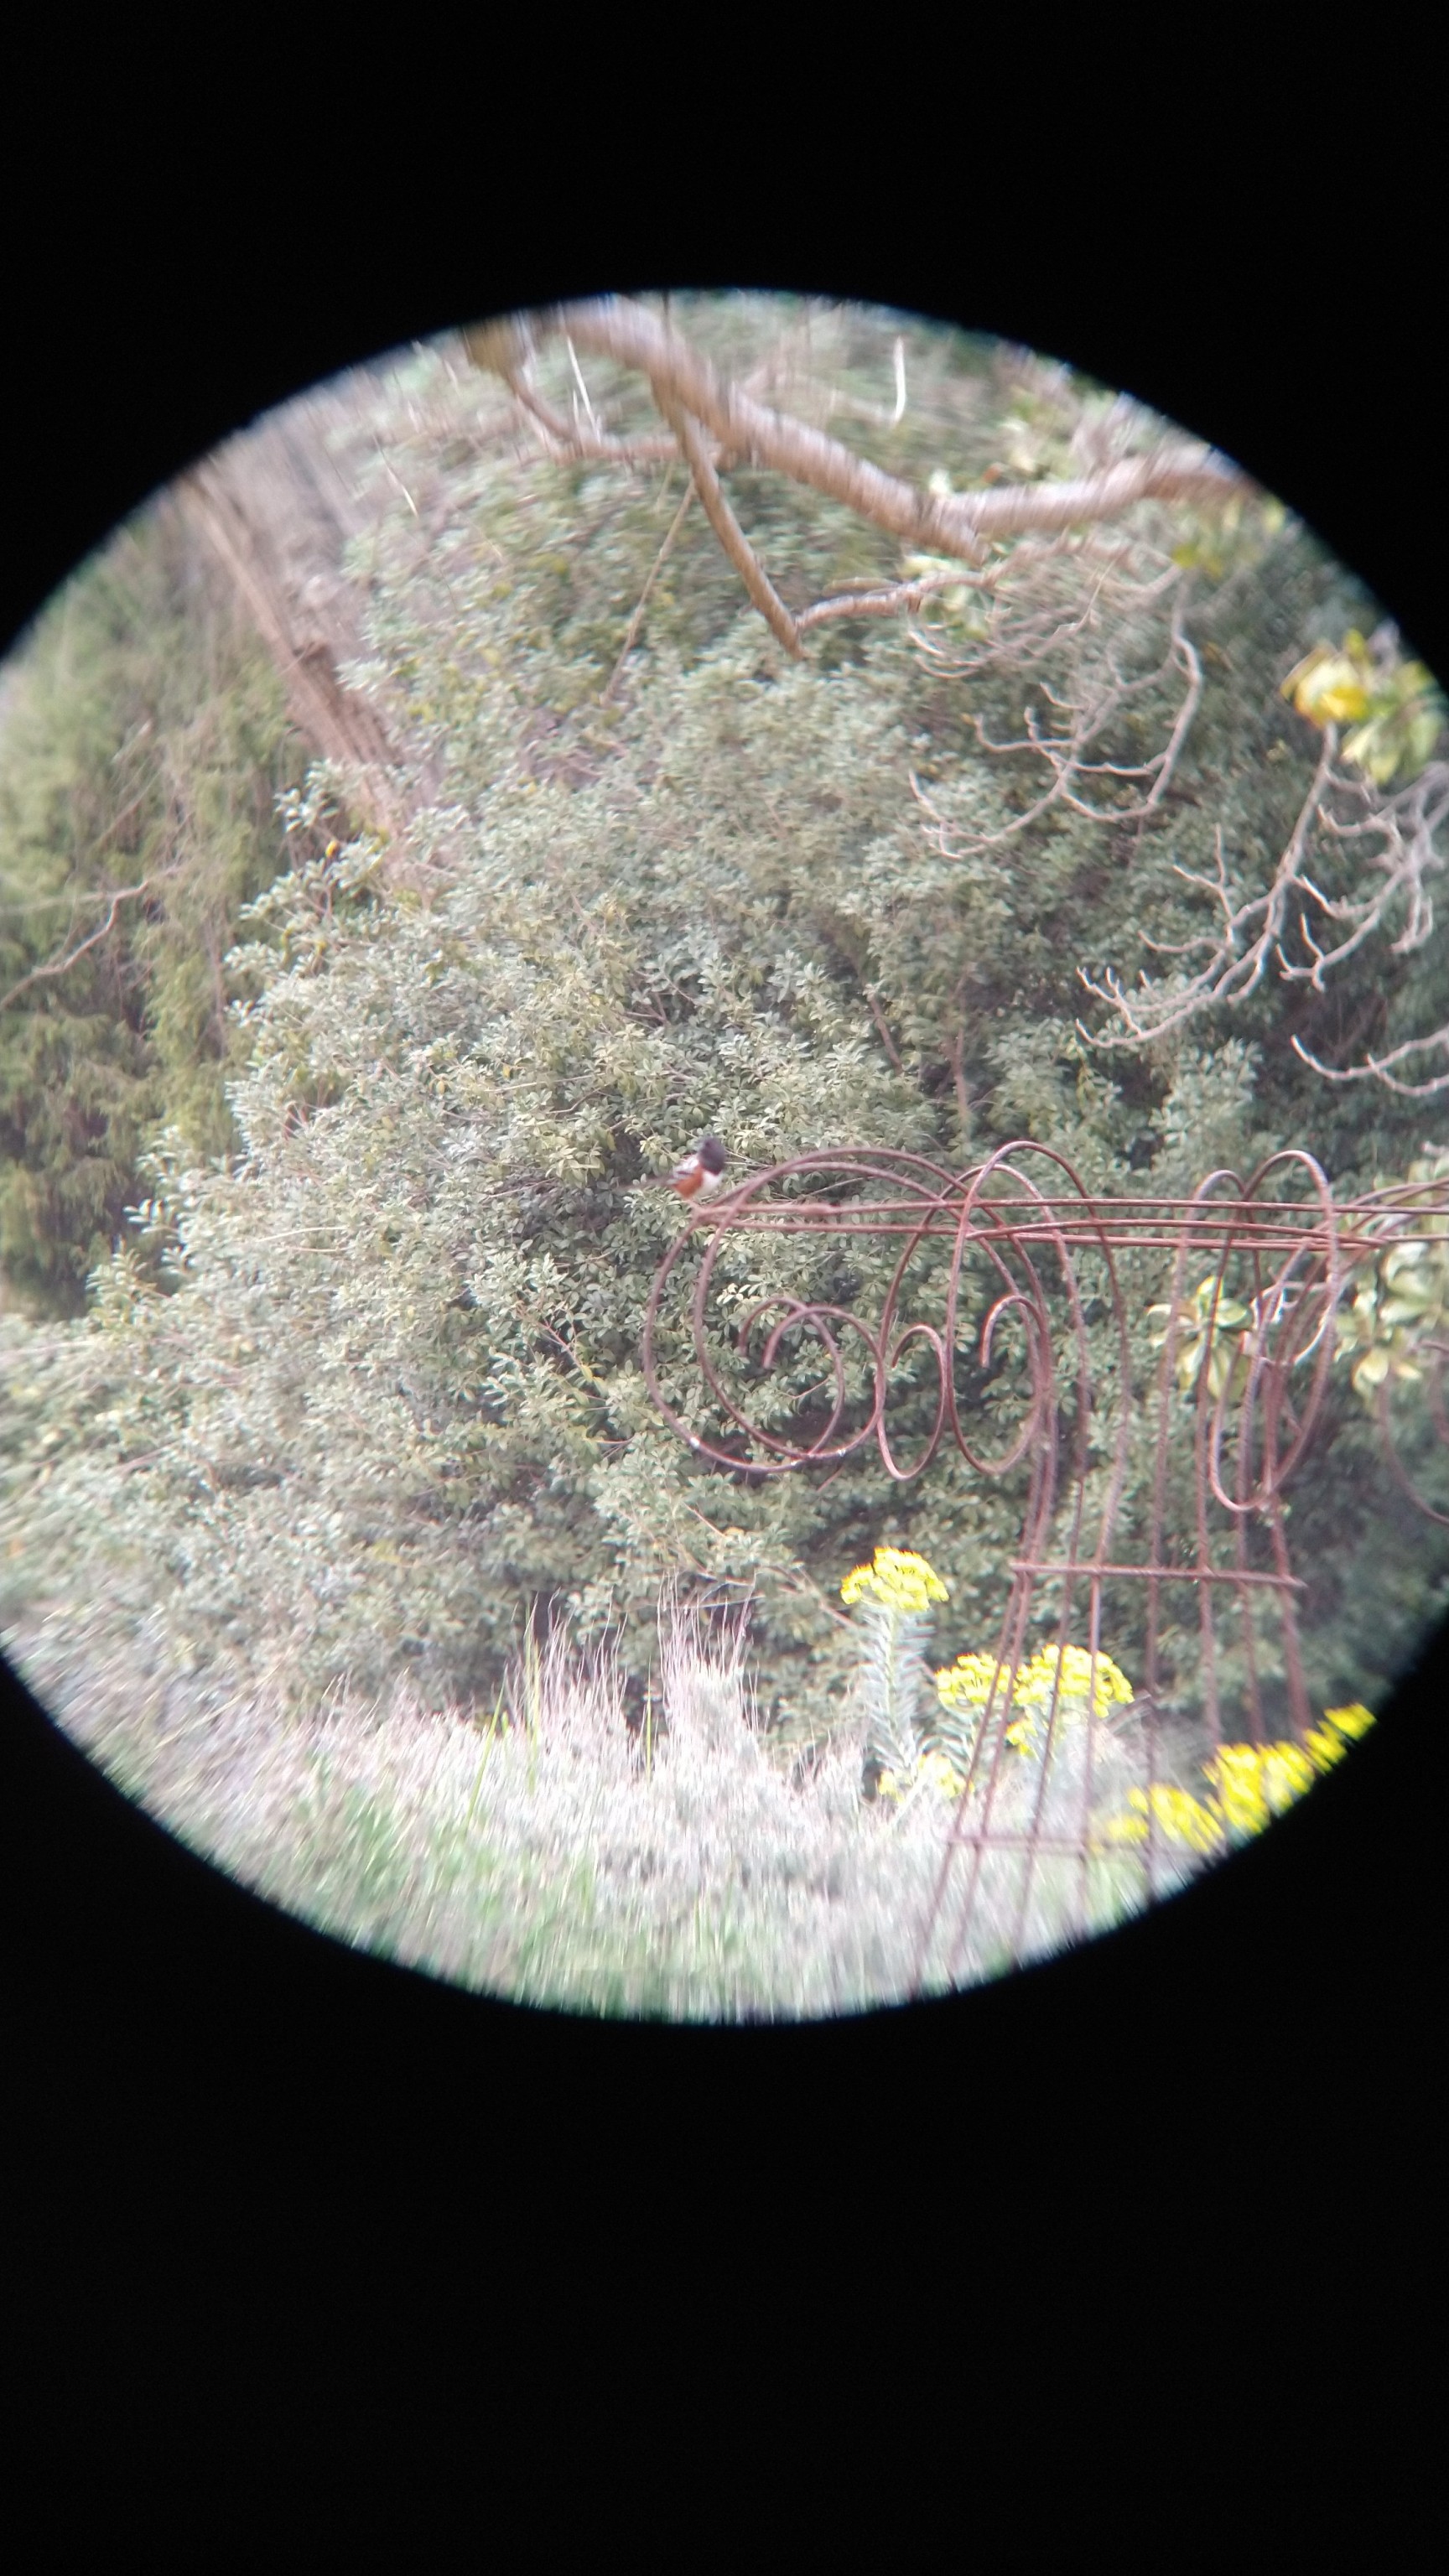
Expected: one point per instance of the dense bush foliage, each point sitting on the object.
(363, 1383)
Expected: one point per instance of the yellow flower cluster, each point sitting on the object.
(896, 1579)
(1257, 1781)
(1181, 1817)
(1080, 1673)
(1352, 1721)
(972, 1679)
(1253, 1783)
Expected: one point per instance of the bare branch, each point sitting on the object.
(1376, 1068)
(726, 526)
(564, 439)
(1087, 717)
(729, 425)
(958, 524)
(887, 1041)
(1240, 956)
(1255, 934)
(63, 965)
(889, 599)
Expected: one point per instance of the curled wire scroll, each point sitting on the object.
(1016, 1253)
(1302, 1253)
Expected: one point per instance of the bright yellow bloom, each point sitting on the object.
(1287, 1772)
(1073, 1674)
(897, 1579)
(1236, 1775)
(1395, 708)
(932, 1771)
(1341, 1727)
(1184, 1819)
(1332, 688)
(971, 1681)
(1256, 1781)
(1353, 1721)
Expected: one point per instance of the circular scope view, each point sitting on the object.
(724, 1193)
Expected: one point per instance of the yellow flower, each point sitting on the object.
(971, 1681)
(895, 1578)
(1353, 1721)
(1184, 1819)
(1341, 1727)
(1256, 1781)
(1073, 1674)
(931, 1771)
(1287, 1772)
(974, 1679)
(1395, 708)
(1235, 1774)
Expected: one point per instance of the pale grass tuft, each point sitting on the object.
(546, 1852)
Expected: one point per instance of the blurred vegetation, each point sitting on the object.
(143, 742)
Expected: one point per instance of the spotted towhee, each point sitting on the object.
(700, 1172)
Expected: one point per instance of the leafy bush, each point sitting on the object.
(357, 1404)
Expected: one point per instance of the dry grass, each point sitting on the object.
(543, 1852)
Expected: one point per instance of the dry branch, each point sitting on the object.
(1259, 932)
(961, 525)
(726, 526)
(63, 964)
(1103, 693)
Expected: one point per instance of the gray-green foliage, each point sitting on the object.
(144, 741)
(388, 1393)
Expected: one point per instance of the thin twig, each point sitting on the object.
(62, 965)
(656, 568)
(958, 1076)
(887, 1041)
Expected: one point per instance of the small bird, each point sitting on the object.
(700, 1172)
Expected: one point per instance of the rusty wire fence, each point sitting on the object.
(1138, 1378)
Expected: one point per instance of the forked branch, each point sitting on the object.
(716, 422)
(1297, 928)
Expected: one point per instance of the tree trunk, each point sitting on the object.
(279, 519)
